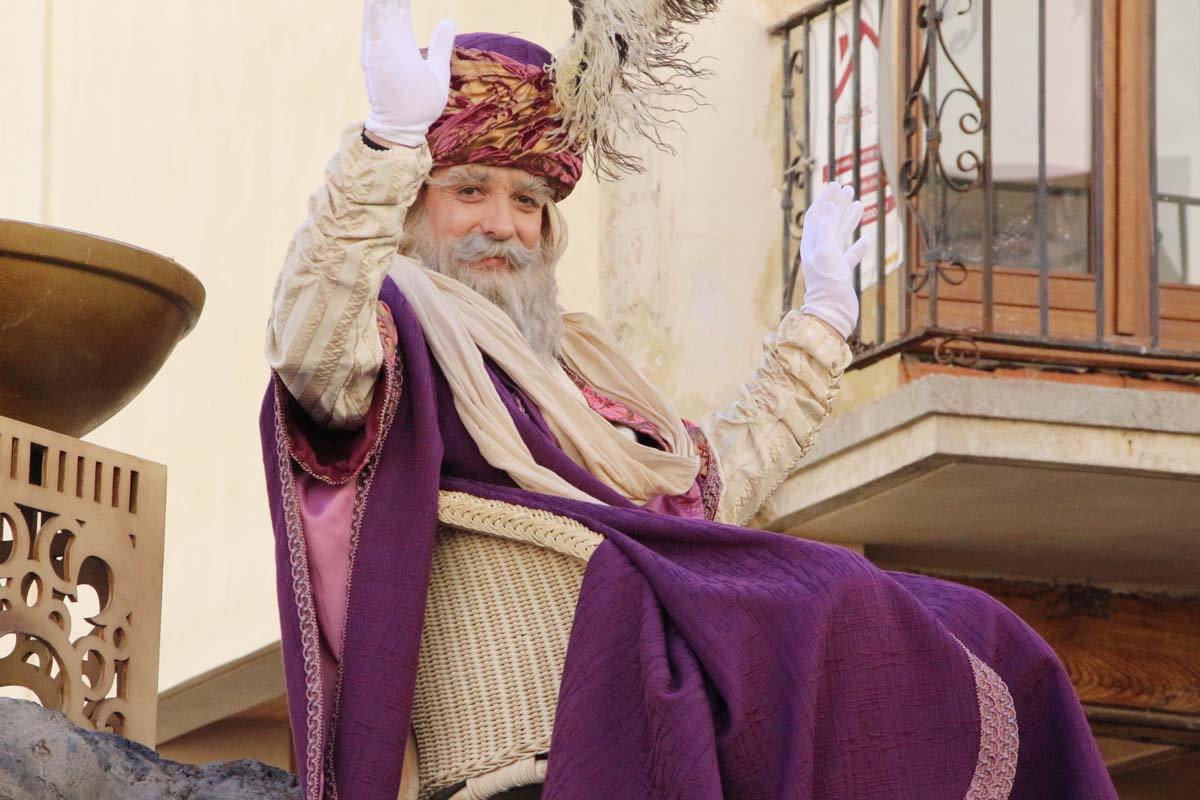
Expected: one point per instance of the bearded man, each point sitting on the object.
(421, 365)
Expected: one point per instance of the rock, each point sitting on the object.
(44, 755)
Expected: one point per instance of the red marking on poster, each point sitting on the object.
(864, 32)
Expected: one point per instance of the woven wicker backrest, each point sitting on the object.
(501, 602)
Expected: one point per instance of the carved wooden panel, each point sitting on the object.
(81, 555)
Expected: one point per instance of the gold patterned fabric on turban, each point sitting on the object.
(501, 113)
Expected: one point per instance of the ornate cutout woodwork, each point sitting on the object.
(81, 552)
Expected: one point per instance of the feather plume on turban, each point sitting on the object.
(512, 105)
(624, 59)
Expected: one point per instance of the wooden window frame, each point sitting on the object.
(1127, 235)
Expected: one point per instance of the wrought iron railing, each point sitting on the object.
(823, 51)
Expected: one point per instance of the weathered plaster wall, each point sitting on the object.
(690, 273)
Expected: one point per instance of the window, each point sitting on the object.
(1040, 165)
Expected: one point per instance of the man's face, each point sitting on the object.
(500, 203)
(483, 227)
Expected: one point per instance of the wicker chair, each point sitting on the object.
(501, 602)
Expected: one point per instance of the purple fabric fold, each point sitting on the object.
(705, 661)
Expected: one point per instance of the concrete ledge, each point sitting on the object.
(999, 477)
(1032, 401)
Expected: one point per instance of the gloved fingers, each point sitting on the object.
(372, 26)
(824, 252)
(387, 27)
(822, 220)
(372, 19)
(850, 219)
(400, 24)
(828, 194)
(845, 201)
(859, 249)
(391, 22)
(837, 195)
(830, 223)
(847, 195)
(842, 197)
(441, 48)
(811, 224)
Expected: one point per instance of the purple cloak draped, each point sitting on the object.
(705, 661)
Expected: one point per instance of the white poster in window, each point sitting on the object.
(873, 128)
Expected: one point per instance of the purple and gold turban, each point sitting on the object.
(501, 112)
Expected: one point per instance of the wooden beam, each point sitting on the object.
(1123, 756)
(1180, 730)
(249, 686)
(1134, 659)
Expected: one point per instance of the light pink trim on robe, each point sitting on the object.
(327, 510)
(327, 513)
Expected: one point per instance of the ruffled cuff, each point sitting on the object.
(336, 456)
(762, 437)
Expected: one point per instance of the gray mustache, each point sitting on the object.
(477, 246)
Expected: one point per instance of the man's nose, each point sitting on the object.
(498, 222)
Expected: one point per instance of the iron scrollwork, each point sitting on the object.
(796, 176)
(951, 272)
(925, 166)
(928, 164)
(920, 114)
(959, 349)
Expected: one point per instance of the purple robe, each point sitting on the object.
(705, 661)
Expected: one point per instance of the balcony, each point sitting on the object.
(1023, 408)
(1025, 237)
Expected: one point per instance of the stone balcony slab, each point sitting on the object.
(1020, 478)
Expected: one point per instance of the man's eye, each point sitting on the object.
(526, 200)
(469, 191)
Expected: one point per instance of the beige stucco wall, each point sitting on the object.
(690, 272)
(198, 130)
(22, 108)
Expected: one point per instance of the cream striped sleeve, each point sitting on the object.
(759, 440)
(322, 338)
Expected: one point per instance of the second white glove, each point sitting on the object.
(827, 263)
(407, 91)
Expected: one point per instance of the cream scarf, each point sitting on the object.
(459, 323)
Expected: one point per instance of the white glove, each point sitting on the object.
(407, 92)
(827, 263)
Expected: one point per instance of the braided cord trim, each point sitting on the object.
(999, 742)
(306, 612)
(534, 526)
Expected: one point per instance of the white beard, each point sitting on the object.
(528, 292)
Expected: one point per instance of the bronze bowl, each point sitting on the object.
(85, 323)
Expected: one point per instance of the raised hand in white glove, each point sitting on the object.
(827, 263)
(407, 92)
